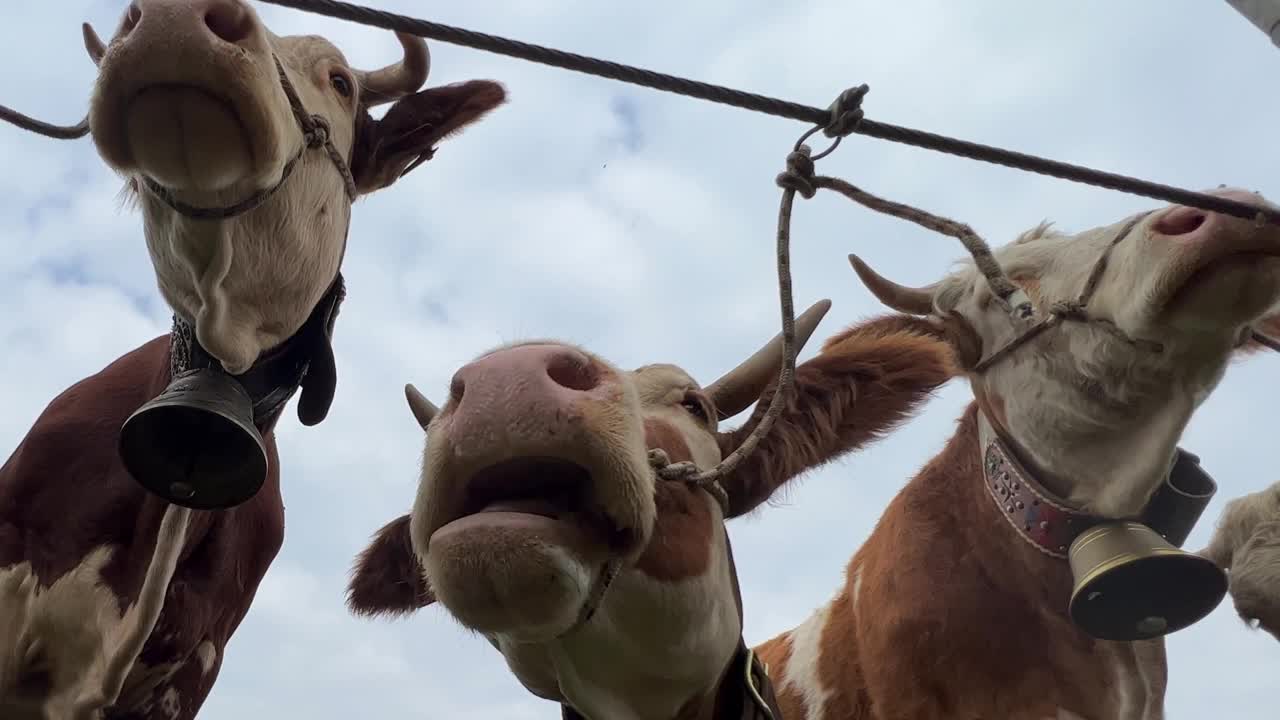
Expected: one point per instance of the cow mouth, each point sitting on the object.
(1208, 270)
(534, 492)
(186, 137)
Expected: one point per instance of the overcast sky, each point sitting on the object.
(594, 211)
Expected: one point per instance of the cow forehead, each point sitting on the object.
(308, 50)
(657, 381)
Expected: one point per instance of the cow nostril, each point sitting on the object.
(229, 20)
(131, 18)
(1180, 221)
(573, 370)
(457, 386)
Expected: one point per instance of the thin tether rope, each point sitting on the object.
(833, 127)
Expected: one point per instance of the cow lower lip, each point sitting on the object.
(1206, 271)
(187, 138)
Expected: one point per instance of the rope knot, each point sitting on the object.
(799, 173)
(318, 134)
(1068, 310)
(846, 112)
(687, 472)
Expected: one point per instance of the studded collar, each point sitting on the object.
(1039, 517)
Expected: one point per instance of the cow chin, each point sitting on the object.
(201, 119)
(519, 575)
(1229, 291)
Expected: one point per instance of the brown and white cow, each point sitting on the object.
(189, 106)
(956, 605)
(535, 482)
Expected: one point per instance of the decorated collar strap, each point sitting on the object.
(1050, 524)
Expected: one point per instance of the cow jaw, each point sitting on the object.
(523, 554)
(198, 114)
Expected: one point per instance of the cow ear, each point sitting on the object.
(387, 579)
(388, 148)
(868, 380)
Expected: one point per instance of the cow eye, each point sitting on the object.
(341, 84)
(694, 406)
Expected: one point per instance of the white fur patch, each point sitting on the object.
(206, 653)
(169, 703)
(801, 673)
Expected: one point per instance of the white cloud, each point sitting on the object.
(563, 215)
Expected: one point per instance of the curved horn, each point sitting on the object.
(741, 386)
(915, 301)
(423, 410)
(399, 78)
(92, 43)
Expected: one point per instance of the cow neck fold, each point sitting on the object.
(744, 691)
(303, 361)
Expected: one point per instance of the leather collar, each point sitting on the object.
(304, 361)
(745, 691)
(1038, 516)
(1050, 524)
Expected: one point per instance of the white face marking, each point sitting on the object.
(802, 674)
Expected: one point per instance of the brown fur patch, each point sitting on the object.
(57, 506)
(680, 546)
(956, 616)
(867, 381)
(387, 578)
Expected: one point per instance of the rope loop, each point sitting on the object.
(846, 112)
(687, 472)
(799, 175)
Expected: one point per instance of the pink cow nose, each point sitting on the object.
(1185, 223)
(530, 395)
(553, 372)
(228, 20)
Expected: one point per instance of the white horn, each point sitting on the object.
(914, 301)
(423, 409)
(741, 386)
(92, 43)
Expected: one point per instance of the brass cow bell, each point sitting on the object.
(1133, 583)
(195, 444)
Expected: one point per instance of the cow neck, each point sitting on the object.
(302, 361)
(744, 691)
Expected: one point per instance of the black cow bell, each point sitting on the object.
(195, 444)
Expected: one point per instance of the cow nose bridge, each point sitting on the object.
(229, 21)
(552, 373)
(525, 399)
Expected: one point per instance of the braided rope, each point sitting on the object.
(833, 125)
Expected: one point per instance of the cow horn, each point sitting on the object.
(741, 386)
(92, 43)
(915, 301)
(399, 78)
(423, 409)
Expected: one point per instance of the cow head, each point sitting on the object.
(188, 98)
(536, 475)
(1246, 543)
(1097, 407)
